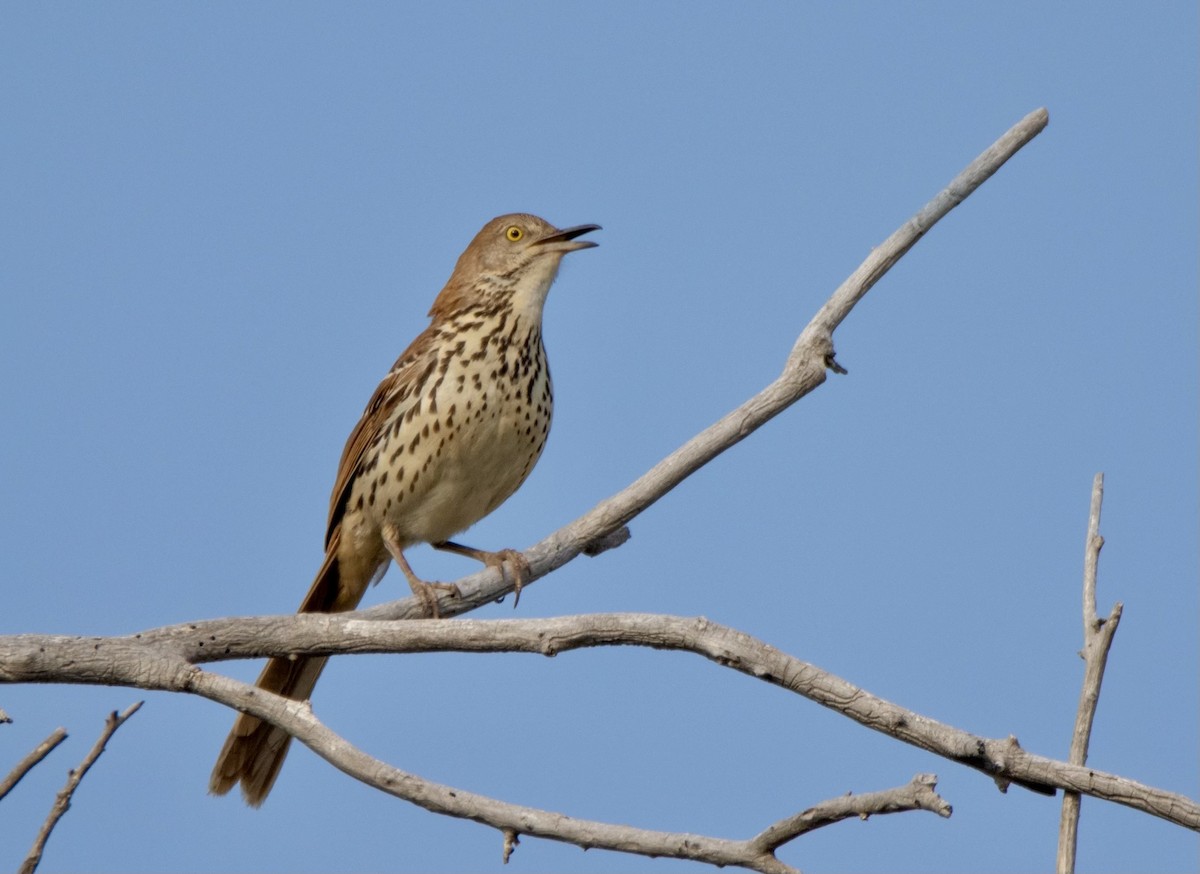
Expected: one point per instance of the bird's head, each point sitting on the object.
(513, 257)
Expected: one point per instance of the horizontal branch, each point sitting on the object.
(149, 662)
(162, 659)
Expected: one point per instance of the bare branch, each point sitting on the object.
(883, 258)
(512, 821)
(138, 660)
(161, 659)
(805, 369)
(62, 801)
(27, 764)
(918, 794)
(1097, 640)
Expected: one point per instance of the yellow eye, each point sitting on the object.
(514, 233)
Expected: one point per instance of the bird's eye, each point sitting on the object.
(514, 233)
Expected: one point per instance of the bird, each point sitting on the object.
(452, 430)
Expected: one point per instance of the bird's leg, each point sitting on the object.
(422, 589)
(503, 559)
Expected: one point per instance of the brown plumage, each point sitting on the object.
(452, 430)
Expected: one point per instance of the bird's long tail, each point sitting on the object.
(255, 750)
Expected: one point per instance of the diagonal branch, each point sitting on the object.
(28, 763)
(804, 371)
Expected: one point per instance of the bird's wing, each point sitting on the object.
(399, 387)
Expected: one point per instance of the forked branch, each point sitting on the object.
(512, 820)
(62, 802)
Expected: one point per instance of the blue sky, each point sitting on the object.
(222, 222)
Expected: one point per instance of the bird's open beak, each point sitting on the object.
(564, 240)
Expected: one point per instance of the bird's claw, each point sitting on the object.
(426, 592)
(512, 563)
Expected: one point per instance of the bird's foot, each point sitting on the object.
(427, 593)
(509, 562)
(512, 563)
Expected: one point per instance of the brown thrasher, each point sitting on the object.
(454, 428)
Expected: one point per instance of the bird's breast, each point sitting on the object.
(465, 440)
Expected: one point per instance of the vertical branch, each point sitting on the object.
(1097, 639)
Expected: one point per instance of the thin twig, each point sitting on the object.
(885, 256)
(1097, 640)
(62, 801)
(918, 794)
(27, 764)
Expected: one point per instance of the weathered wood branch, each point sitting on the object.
(28, 763)
(164, 659)
(62, 801)
(805, 368)
(1097, 640)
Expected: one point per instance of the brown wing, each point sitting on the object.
(402, 382)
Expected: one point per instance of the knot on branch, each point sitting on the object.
(812, 355)
(608, 540)
(511, 840)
